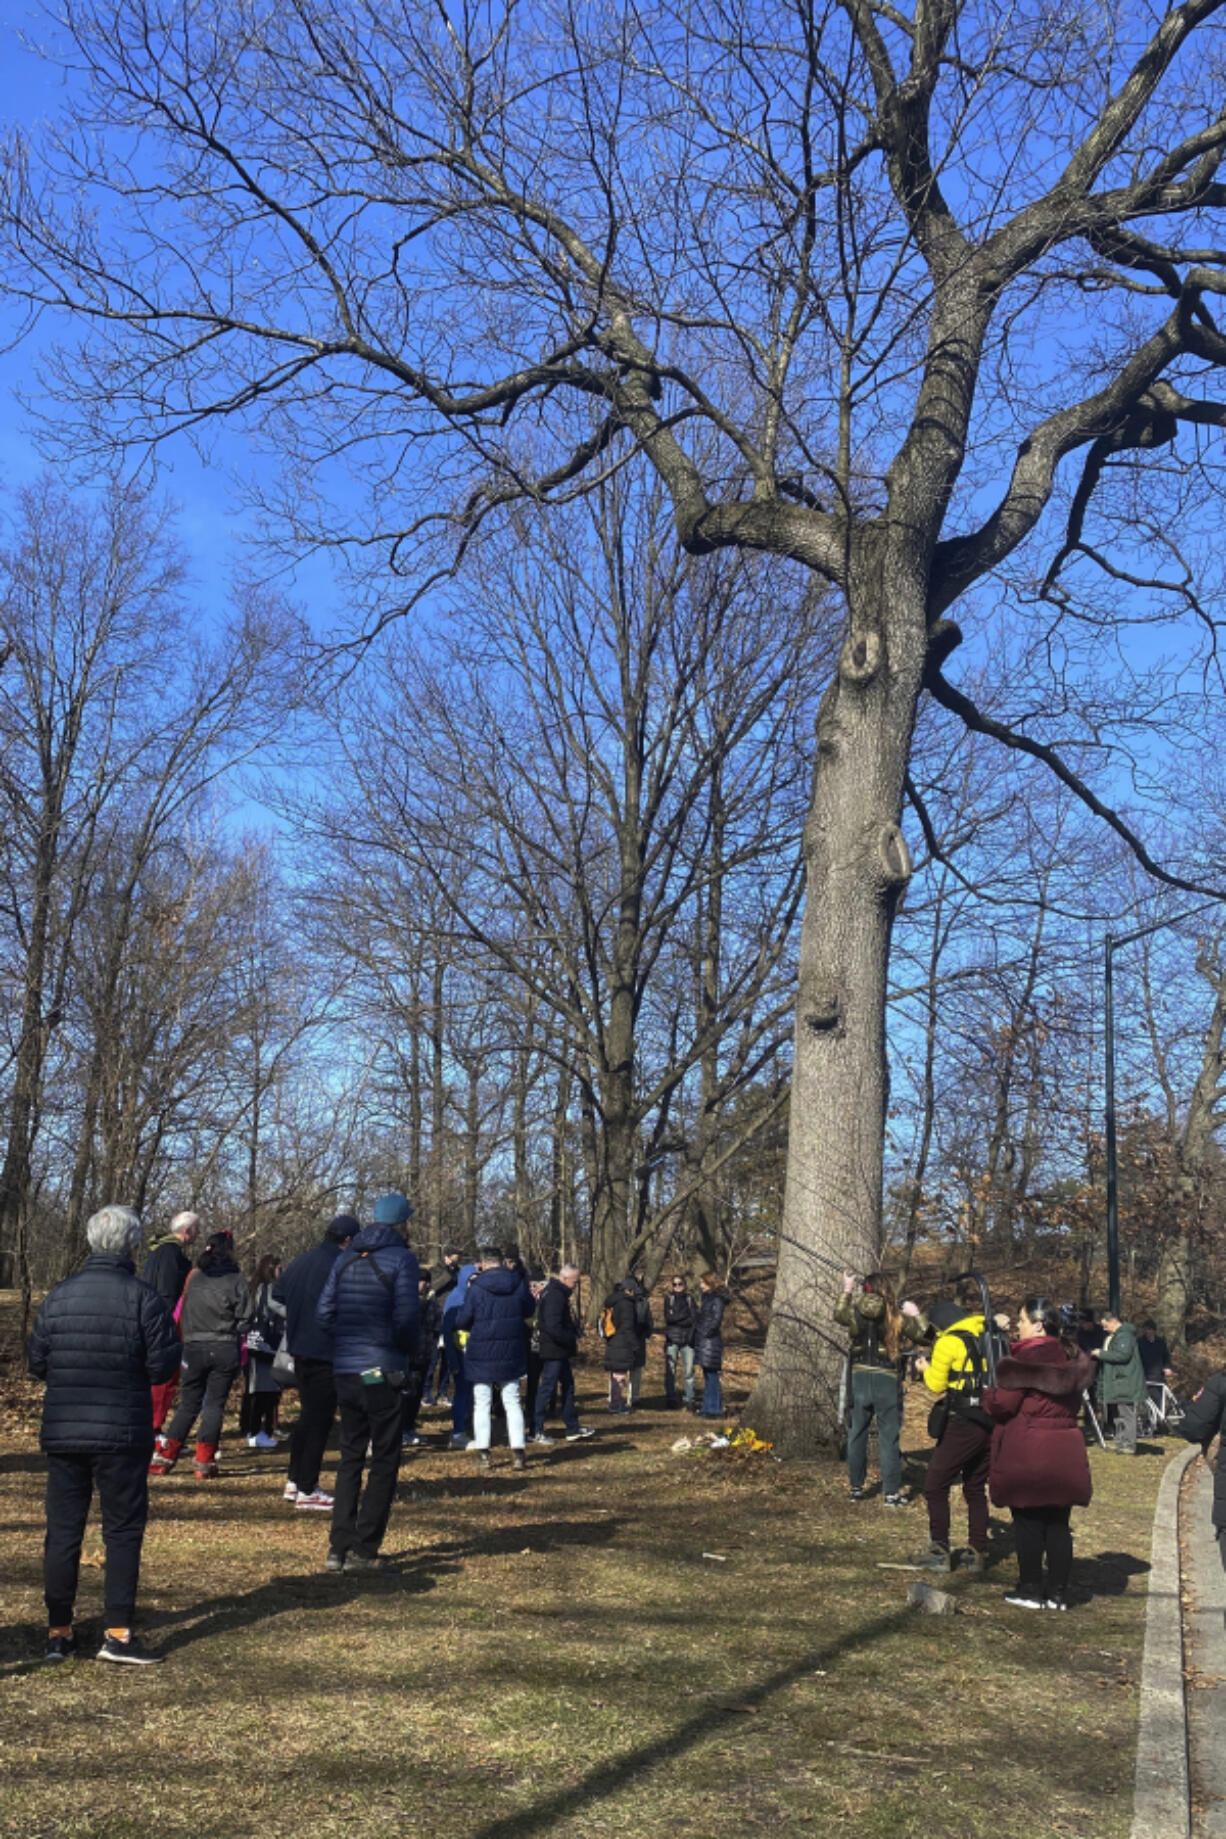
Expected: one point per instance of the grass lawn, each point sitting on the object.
(554, 1655)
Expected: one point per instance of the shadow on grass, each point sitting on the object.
(621, 1771)
(411, 1572)
(24, 1462)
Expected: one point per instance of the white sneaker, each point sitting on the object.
(291, 1491)
(318, 1501)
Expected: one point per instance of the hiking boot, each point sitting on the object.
(934, 1557)
(204, 1468)
(61, 1647)
(132, 1652)
(974, 1562)
(518, 1459)
(356, 1562)
(165, 1455)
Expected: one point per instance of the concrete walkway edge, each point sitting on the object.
(1161, 1804)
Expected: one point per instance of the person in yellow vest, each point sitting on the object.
(955, 1373)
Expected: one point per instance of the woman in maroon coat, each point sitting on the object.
(1039, 1466)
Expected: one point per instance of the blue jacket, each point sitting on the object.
(496, 1310)
(451, 1306)
(299, 1288)
(369, 1304)
(102, 1338)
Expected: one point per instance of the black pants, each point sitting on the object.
(555, 1374)
(1037, 1530)
(122, 1480)
(414, 1385)
(209, 1370)
(259, 1412)
(316, 1416)
(369, 1414)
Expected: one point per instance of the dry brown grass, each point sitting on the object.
(553, 1655)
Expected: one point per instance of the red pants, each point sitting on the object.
(163, 1399)
(962, 1452)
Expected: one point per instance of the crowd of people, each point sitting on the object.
(1006, 1420)
(135, 1367)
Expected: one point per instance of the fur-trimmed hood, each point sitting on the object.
(1043, 1365)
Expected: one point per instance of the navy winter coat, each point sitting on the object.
(299, 1288)
(708, 1333)
(555, 1322)
(102, 1338)
(369, 1304)
(496, 1309)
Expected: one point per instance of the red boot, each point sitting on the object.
(205, 1466)
(165, 1455)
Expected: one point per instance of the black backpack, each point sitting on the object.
(982, 1353)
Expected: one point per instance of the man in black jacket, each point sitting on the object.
(298, 1290)
(559, 1340)
(102, 1339)
(167, 1269)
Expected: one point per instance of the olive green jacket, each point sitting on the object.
(1123, 1376)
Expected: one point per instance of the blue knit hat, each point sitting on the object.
(392, 1210)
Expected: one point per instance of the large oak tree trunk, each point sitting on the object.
(857, 867)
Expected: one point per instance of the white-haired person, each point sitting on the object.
(168, 1268)
(103, 1338)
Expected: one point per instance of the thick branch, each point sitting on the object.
(979, 723)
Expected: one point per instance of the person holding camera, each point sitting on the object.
(878, 1327)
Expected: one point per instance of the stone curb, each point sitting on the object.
(1161, 1806)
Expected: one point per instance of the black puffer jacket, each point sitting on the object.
(680, 1319)
(167, 1268)
(621, 1348)
(102, 1338)
(708, 1335)
(217, 1303)
(559, 1335)
(1200, 1423)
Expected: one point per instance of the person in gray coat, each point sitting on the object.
(102, 1339)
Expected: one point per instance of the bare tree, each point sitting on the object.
(900, 263)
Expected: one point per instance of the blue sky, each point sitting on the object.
(211, 520)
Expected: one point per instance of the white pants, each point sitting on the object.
(512, 1404)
